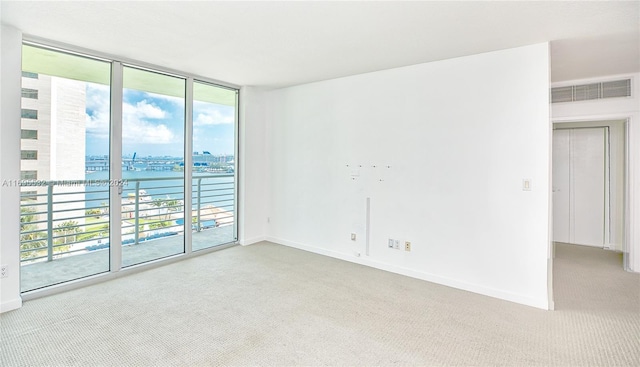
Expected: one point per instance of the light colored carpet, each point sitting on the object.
(46, 273)
(271, 305)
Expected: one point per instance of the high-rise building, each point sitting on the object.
(53, 143)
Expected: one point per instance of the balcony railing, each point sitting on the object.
(62, 218)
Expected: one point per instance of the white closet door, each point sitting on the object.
(588, 179)
(579, 186)
(561, 185)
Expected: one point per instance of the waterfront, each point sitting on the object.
(156, 184)
(152, 208)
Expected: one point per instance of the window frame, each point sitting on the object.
(24, 135)
(117, 65)
(24, 113)
(28, 154)
(29, 93)
(26, 174)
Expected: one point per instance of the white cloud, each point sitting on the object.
(143, 132)
(209, 114)
(135, 127)
(144, 109)
(142, 120)
(97, 103)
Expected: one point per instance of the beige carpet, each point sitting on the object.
(271, 305)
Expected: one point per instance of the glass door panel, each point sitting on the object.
(64, 221)
(153, 127)
(213, 217)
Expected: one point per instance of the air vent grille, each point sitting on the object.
(618, 88)
(585, 92)
(562, 94)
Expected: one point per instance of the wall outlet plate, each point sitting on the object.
(407, 246)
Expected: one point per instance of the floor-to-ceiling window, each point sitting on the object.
(153, 123)
(65, 132)
(214, 134)
(100, 190)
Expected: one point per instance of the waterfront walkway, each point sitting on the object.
(41, 274)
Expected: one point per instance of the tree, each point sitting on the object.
(173, 205)
(159, 203)
(36, 238)
(169, 205)
(66, 233)
(95, 212)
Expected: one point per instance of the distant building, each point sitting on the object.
(53, 140)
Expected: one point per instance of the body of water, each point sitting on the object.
(162, 185)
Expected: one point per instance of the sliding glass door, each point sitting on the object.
(153, 123)
(121, 165)
(64, 167)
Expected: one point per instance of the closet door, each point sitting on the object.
(579, 186)
(588, 186)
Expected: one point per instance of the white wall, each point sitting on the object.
(614, 109)
(10, 72)
(253, 172)
(459, 135)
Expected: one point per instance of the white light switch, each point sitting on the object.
(526, 184)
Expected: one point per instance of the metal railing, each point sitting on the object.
(61, 218)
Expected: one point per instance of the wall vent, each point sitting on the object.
(586, 92)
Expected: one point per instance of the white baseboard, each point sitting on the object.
(471, 287)
(13, 304)
(251, 241)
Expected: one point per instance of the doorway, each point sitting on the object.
(589, 165)
(588, 183)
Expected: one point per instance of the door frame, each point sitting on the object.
(608, 121)
(606, 225)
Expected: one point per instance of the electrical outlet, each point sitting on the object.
(395, 244)
(4, 271)
(353, 237)
(407, 246)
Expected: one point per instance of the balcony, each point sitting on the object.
(65, 224)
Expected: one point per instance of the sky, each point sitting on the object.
(153, 124)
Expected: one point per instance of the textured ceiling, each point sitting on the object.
(276, 44)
